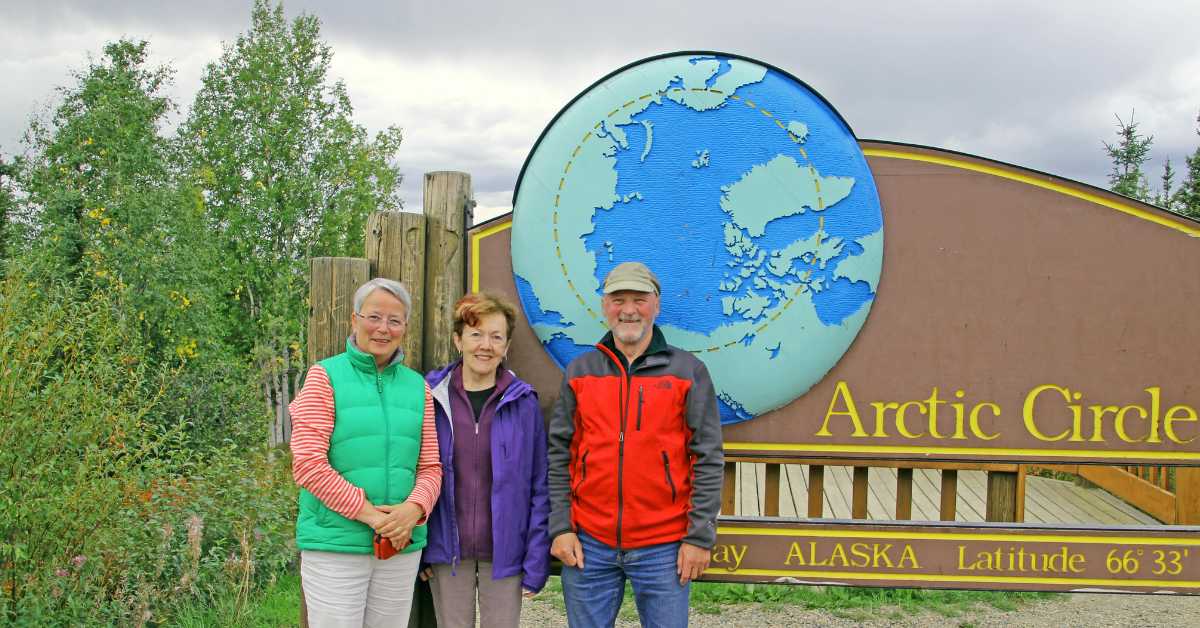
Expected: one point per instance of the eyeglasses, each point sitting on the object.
(375, 321)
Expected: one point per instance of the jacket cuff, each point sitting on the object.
(704, 536)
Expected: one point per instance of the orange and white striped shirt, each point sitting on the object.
(312, 425)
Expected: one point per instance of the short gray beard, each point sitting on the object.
(631, 341)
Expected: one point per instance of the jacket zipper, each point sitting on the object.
(622, 396)
(387, 438)
(450, 459)
(641, 392)
(667, 468)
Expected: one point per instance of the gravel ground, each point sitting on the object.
(1079, 609)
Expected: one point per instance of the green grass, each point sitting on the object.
(279, 604)
(276, 606)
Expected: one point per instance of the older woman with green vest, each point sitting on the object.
(365, 456)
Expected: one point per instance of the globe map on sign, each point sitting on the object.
(740, 187)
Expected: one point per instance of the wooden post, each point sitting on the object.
(447, 199)
(331, 296)
(949, 501)
(1002, 496)
(816, 491)
(904, 488)
(1019, 498)
(771, 497)
(729, 489)
(1187, 495)
(396, 250)
(858, 506)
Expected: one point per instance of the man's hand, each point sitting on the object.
(568, 549)
(398, 523)
(692, 562)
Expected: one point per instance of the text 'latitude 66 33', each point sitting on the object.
(743, 190)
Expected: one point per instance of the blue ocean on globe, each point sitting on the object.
(746, 194)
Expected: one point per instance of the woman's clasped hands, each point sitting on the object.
(394, 522)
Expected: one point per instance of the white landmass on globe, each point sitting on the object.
(781, 187)
(863, 267)
(649, 126)
(798, 130)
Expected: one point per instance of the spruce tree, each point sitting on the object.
(1164, 197)
(1128, 156)
(1187, 198)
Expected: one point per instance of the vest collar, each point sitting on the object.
(364, 361)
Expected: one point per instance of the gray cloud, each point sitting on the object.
(473, 84)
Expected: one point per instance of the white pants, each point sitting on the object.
(358, 590)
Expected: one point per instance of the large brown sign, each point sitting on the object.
(963, 556)
(1019, 317)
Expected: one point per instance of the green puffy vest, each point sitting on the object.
(375, 443)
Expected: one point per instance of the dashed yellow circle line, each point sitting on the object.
(659, 94)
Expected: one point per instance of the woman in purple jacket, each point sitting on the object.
(487, 533)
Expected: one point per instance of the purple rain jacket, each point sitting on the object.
(520, 496)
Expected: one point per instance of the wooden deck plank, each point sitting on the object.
(972, 495)
(1062, 505)
(838, 492)
(796, 491)
(1035, 510)
(1087, 511)
(1100, 508)
(746, 490)
(1117, 506)
(1044, 505)
(885, 485)
(1129, 510)
(1094, 504)
(879, 506)
(798, 477)
(927, 491)
(876, 506)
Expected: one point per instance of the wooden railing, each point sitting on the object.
(1169, 494)
(1005, 493)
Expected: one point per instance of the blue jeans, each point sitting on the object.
(593, 594)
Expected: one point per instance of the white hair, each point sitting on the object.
(393, 287)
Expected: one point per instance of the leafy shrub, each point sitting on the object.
(107, 514)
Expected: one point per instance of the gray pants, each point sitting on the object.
(454, 596)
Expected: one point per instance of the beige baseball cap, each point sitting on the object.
(631, 276)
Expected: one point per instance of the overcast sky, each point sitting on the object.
(473, 84)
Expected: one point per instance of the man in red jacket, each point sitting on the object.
(635, 465)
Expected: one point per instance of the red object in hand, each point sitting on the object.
(384, 548)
